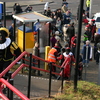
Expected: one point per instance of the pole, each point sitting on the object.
(29, 77)
(50, 65)
(62, 81)
(11, 81)
(99, 72)
(4, 13)
(78, 42)
(14, 30)
(49, 33)
(90, 10)
(39, 52)
(23, 42)
(10, 93)
(23, 36)
(86, 61)
(38, 49)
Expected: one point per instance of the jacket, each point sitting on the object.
(70, 58)
(73, 41)
(88, 3)
(7, 50)
(52, 55)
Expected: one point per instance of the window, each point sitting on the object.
(98, 19)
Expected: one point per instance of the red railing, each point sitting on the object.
(13, 63)
(25, 65)
(23, 97)
(44, 60)
(64, 63)
(14, 74)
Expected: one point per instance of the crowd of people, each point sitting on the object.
(63, 30)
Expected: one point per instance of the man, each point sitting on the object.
(87, 5)
(92, 27)
(64, 8)
(67, 68)
(87, 34)
(52, 57)
(66, 17)
(86, 52)
(97, 54)
(71, 31)
(7, 48)
(73, 44)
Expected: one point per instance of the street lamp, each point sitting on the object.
(90, 10)
(78, 43)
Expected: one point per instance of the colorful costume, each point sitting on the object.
(67, 69)
(7, 49)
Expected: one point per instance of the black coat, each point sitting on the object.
(97, 55)
(71, 31)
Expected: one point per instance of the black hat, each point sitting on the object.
(5, 31)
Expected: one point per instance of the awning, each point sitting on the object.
(31, 17)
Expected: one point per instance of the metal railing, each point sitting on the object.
(29, 81)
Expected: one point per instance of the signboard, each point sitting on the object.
(1, 10)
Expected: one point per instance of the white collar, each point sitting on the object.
(5, 44)
(65, 55)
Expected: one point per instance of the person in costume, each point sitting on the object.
(7, 49)
(67, 68)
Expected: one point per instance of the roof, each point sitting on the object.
(31, 17)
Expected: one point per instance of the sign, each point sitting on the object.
(1, 10)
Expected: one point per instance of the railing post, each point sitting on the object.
(62, 80)
(4, 13)
(9, 77)
(50, 66)
(29, 77)
(39, 51)
(11, 81)
(10, 93)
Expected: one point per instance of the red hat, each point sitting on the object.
(92, 20)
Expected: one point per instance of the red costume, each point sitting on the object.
(93, 28)
(70, 58)
(73, 41)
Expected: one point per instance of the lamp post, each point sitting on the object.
(90, 10)
(78, 43)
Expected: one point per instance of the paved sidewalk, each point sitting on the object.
(9, 5)
(29, 2)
